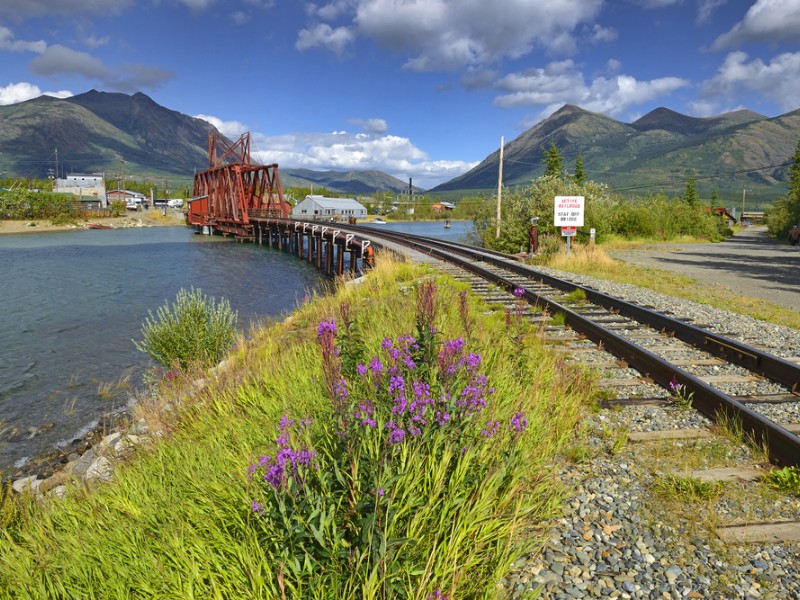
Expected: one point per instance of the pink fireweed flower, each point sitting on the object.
(327, 327)
(518, 422)
(491, 429)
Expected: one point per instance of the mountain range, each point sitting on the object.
(657, 153)
(134, 137)
(115, 133)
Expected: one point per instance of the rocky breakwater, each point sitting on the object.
(95, 464)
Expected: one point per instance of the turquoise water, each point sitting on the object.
(457, 232)
(71, 304)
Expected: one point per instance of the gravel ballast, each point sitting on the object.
(618, 538)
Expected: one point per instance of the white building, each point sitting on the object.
(85, 187)
(322, 208)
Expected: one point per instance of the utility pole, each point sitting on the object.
(499, 186)
(741, 217)
(55, 181)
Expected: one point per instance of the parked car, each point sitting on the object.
(175, 203)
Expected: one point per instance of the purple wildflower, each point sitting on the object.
(327, 327)
(518, 422)
(519, 292)
(491, 429)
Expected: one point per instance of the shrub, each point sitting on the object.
(117, 208)
(195, 331)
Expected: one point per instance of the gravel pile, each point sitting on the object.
(615, 541)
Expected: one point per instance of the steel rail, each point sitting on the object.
(783, 446)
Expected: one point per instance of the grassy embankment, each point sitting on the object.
(594, 261)
(446, 511)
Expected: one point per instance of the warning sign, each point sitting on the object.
(568, 211)
(567, 231)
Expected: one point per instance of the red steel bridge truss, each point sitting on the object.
(233, 190)
(235, 197)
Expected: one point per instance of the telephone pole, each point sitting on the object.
(499, 186)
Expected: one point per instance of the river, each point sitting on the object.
(72, 303)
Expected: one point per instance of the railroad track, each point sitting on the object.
(618, 536)
(641, 343)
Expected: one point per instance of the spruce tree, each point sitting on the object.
(690, 195)
(554, 164)
(580, 174)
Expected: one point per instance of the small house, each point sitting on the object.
(87, 188)
(329, 209)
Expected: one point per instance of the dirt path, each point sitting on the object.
(749, 263)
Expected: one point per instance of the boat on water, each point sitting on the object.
(99, 226)
(379, 221)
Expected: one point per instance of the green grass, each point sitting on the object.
(176, 522)
(686, 489)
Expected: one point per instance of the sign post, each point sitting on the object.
(568, 214)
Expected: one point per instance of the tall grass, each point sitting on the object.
(456, 508)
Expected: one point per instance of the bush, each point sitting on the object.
(117, 208)
(196, 331)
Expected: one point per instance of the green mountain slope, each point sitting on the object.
(105, 132)
(657, 153)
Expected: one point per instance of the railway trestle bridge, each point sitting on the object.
(235, 197)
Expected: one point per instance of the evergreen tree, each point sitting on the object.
(580, 174)
(714, 197)
(554, 164)
(794, 174)
(690, 195)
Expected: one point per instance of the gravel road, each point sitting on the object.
(749, 263)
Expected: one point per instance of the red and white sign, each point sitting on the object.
(568, 211)
(568, 231)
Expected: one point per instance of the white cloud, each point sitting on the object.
(133, 78)
(344, 151)
(7, 42)
(94, 42)
(768, 21)
(60, 60)
(324, 36)
(449, 34)
(230, 129)
(657, 3)
(371, 126)
(776, 80)
(19, 92)
(600, 34)
(240, 17)
(331, 11)
(37, 8)
(706, 8)
(562, 82)
(197, 5)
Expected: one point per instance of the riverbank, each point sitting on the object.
(143, 218)
(191, 484)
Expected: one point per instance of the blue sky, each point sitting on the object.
(415, 88)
